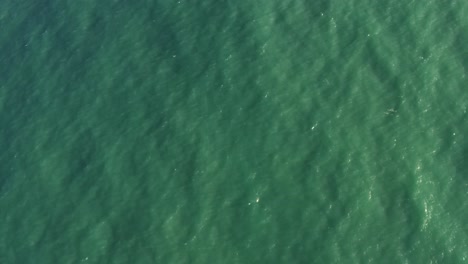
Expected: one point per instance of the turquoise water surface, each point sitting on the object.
(233, 131)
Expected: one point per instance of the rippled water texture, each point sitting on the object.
(233, 131)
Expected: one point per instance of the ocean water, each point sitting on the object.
(233, 131)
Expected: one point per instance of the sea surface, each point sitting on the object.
(233, 131)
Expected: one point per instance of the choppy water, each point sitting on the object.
(233, 131)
